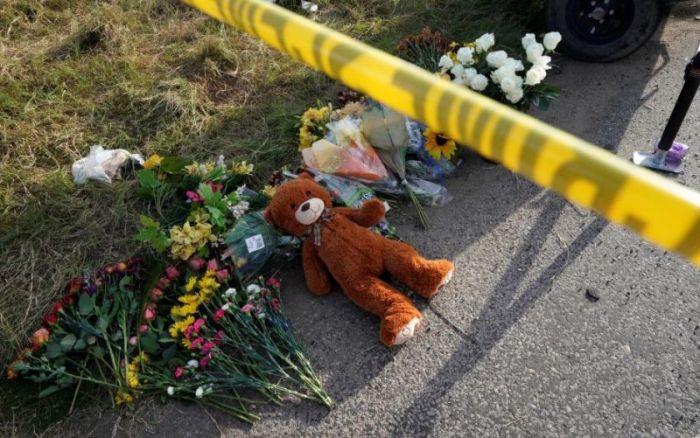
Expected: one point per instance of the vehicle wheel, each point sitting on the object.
(603, 30)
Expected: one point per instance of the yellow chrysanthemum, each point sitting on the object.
(153, 161)
(183, 311)
(132, 376)
(180, 326)
(123, 397)
(269, 191)
(188, 299)
(191, 283)
(438, 145)
(188, 239)
(192, 169)
(186, 343)
(243, 168)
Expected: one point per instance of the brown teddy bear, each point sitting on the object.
(338, 242)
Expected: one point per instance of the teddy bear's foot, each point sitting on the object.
(438, 273)
(407, 332)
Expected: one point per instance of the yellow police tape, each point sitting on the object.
(664, 212)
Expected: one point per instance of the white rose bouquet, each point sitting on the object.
(496, 74)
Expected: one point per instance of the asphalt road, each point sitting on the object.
(513, 346)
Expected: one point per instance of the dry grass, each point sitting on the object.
(147, 76)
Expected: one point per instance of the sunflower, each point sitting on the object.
(438, 145)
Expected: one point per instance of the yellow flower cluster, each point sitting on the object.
(269, 191)
(242, 168)
(184, 314)
(153, 161)
(132, 375)
(123, 397)
(188, 239)
(313, 124)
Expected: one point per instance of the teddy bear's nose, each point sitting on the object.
(305, 206)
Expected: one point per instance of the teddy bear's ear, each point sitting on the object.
(268, 216)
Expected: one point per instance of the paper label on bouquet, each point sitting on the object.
(255, 243)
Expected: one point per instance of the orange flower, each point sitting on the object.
(39, 338)
(11, 371)
(74, 285)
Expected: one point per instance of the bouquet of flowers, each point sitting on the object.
(496, 74)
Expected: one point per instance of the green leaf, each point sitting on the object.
(148, 222)
(166, 340)
(173, 165)
(79, 345)
(91, 340)
(53, 351)
(149, 344)
(102, 324)
(216, 217)
(169, 352)
(148, 180)
(97, 351)
(210, 197)
(85, 304)
(48, 391)
(68, 342)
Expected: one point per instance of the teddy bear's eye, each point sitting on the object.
(294, 207)
(308, 193)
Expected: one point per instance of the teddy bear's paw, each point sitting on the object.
(447, 278)
(407, 331)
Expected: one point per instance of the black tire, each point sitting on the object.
(635, 22)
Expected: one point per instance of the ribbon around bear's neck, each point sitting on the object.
(315, 230)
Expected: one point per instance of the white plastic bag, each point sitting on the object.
(103, 164)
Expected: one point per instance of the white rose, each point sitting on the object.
(496, 59)
(479, 83)
(514, 64)
(230, 291)
(534, 52)
(528, 40)
(469, 74)
(253, 289)
(485, 42)
(199, 393)
(458, 81)
(500, 73)
(170, 390)
(464, 55)
(515, 96)
(192, 364)
(226, 306)
(510, 84)
(457, 71)
(544, 61)
(535, 75)
(551, 40)
(445, 62)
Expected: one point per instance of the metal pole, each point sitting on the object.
(690, 87)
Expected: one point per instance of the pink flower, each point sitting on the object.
(219, 314)
(247, 308)
(150, 313)
(188, 331)
(198, 324)
(194, 196)
(143, 328)
(273, 282)
(156, 294)
(275, 303)
(215, 187)
(203, 362)
(197, 263)
(172, 272)
(133, 341)
(222, 275)
(196, 343)
(212, 265)
(163, 283)
(178, 372)
(218, 337)
(206, 348)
